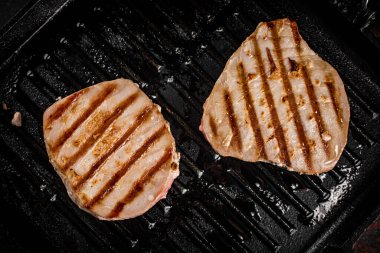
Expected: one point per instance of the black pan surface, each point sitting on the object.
(176, 50)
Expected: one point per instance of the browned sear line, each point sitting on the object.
(138, 186)
(310, 91)
(249, 104)
(271, 61)
(335, 101)
(213, 126)
(100, 130)
(93, 106)
(63, 107)
(292, 101)
(108, 187)
(278, 131)
(102, 158)
(296, 34)
(236, 139)
(316, 109)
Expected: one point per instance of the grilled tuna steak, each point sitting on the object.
(279, 102)
(112, 148)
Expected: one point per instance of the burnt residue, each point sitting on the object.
(294, 66)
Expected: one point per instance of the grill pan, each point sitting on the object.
(176, 50)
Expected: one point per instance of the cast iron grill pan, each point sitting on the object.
(176, 50)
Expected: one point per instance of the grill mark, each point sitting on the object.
(63, 107)
(249, 104)
(335, 101)
(296, 34)
(139, 121)
(100, 131)
(292, 102)
(311, 91)
(108, 187)
(271, 61)
(278, 131)
(138, 186)
(316, 109)
(212, 124)
(93, 106)
(236, 139)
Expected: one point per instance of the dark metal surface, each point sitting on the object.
(176, 50)
(364, 15)
(369, 241)
(9, 9)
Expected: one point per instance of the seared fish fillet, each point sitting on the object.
(277, 101)
(112, 148)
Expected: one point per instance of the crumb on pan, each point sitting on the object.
(4, 105)
(17, 120)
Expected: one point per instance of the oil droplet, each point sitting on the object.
(216, 157)
(178, 50)
(188, 62)
(203, 46)
(322, 176)
(144, 85)
(159, 68)
(63, 40)
(46, 56)
(219, 29)
(53, 198)
(58, 98)
(193, 34)
(97, 9)
(42, 187)
(184, 190)
(170, 79)
(79, 24)
(151, 225)
(167, 209)
(29, 73)
(134, 242)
